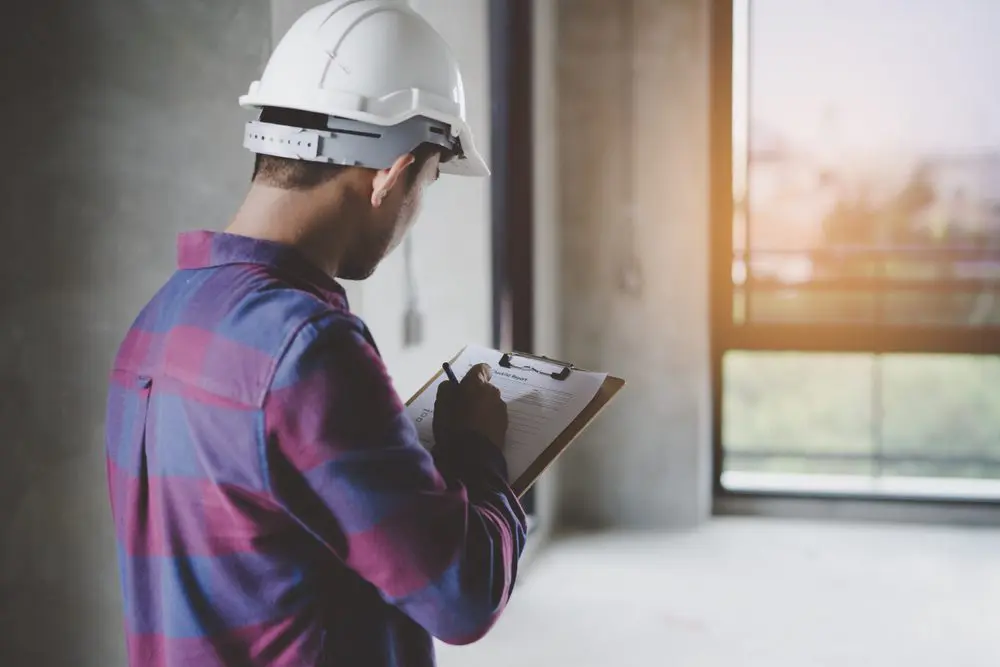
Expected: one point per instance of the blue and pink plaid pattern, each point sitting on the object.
(272, 503)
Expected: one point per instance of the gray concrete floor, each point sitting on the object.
(751, 592)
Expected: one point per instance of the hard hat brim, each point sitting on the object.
(471, 163)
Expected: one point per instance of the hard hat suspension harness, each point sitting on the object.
(349, 142)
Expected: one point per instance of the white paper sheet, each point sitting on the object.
(539, 406)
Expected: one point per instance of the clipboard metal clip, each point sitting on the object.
(566, 369)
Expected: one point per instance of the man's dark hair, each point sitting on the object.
(291, 174)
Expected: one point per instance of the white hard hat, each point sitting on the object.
(381, 73)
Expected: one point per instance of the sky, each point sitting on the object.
(841, 78)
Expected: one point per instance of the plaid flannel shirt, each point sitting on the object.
(272, 503)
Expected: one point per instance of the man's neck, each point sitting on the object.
(295, 219)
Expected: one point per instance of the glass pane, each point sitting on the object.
(896, 419)
(941, 416)
(867, 162)
(797, 403)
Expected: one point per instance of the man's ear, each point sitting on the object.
(386, 179)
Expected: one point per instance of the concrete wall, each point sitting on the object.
(122, 128)
(647, 461)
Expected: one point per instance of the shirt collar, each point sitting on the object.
(205, 249)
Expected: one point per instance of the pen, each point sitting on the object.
(450, 373)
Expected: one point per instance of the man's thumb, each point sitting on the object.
(481, 372)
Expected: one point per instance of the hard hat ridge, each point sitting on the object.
(383, 76)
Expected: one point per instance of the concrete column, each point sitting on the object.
(121, 128)
(633, 116)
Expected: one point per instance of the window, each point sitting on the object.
(857, 317)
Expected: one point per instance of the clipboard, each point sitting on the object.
(608, 390)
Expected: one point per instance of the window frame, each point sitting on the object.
(727, 335)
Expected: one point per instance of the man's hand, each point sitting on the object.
(473, 405)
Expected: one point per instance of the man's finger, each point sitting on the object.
(480, 373)
(445, 394)
(447, 389)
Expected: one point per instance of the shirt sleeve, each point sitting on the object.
(439, 537)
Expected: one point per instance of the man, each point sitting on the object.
(272, 503)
